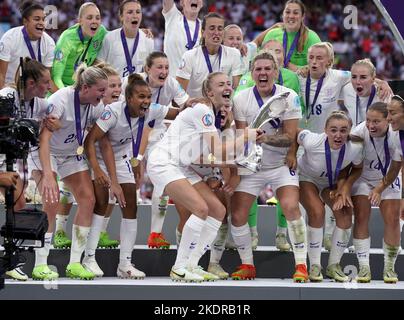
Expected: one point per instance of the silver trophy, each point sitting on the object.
(270, 111)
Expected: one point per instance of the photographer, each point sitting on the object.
(30, 97)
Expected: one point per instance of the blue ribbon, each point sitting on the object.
(288, 55)
(135, 146)
(206, 54)
(82, 58)
(383, 168)
(129, 57)
(308, 86)
(30, 48)
(329, 164)
(191, 41)
(77, 113)
(370, 101)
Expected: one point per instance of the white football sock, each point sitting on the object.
(94, 236)
(362, 249)
(298, 238)
(208, 235)
(315, 240)
(280, 230)
(340, 240)
(61, 222)
(79, 242)
(390, 255)
(128, 238)
(330, 223)
(189, 240)
(242, 239)
(105, 224)
(158, 213)
(41, 254)
(218, 247)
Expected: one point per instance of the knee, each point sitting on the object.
(239, 217)
(201, 210)
(86, 198)
(290, 208)
(316, 218)
(361, 220)
(219, 212)
(392, 221)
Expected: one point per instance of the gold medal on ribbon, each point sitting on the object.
(134, 162)
(211, 157)
(80, 150)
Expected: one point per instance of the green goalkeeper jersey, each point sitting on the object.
(71, 50)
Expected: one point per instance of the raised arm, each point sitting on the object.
(167, 5)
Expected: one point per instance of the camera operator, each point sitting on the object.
(31, 92)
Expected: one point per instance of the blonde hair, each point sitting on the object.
(233, 26)
(88, 76)
(338, 115)
(106, 67)
(366, 63)
(207, 83)
(84, 6)
(328, 48)
(265, 55)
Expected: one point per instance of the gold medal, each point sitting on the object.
(211, 157)
(80, 150)
(134, 162)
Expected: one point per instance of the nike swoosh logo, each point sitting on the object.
(179, 275)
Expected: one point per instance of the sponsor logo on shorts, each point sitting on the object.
(106, 115)
(207, 120)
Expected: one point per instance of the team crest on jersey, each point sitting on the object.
(297, 102)
(59, 55)
(243, 82)
(1, 46)
(96, 44)
(207, 120)
(302, 136)
(106, 115)
(50, 109)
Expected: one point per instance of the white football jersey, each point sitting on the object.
(194, 67)
(183, 141)
(246, 108)
(175, 37)
(171, 91)
(112, 51)
(13, 46)
(397, 142)
(37, 111)
(247, 60)
(313, 162)
(61, 105)
(357, 115)
(327, 101)
(371, 166)
(113, 120)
